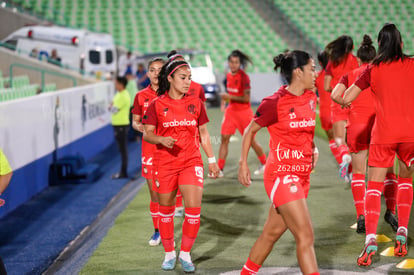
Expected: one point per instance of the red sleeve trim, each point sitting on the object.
(363, 81)
(344, 80)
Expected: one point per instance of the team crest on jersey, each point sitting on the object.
(312, 105)
(199, 171)
(165, 111)
(191, 109)
(292, 114)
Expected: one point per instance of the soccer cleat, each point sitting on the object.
(365, 258)
(188, 267)
(155, 239)
(169, 265)
(390, 218)
(179, 212)
(361, 224)
(343, 170)
(220, 175)
(400, 248)
(259, 170)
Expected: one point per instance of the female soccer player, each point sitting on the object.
(341, 61)
(361, 120)
(238, 113)
(176, 123)
(325, 104)
(391, 80)
(141, 102)
(289, 115)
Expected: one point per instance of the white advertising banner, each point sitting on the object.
(33, 127)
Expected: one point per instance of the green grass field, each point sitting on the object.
(232, 218)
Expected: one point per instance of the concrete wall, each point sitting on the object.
(9, 57)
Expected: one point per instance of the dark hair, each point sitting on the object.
(389, 45)
(167, 68)
(287, 62)
(339, 48)
(156, 59)
(323, 58)
(173, 54)
(366, 51)
(122, 80)
(244, 58)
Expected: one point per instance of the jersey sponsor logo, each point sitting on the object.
(146, 161)
(146, 104)
(288, 153)
(302, 124)
(199, 172)
(176, 123)
(191, 109)
(232, 90)
(290, 179)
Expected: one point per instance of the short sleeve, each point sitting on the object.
(328, 69)
(4, 164)
(363, 81)
(266, 113)
(245, 82)
(202, 94)
(150, 116)
(203, 118)
(344, 80)
(137, 109)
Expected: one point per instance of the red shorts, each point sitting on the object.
(326, 118)
(286, 188)
(382, 155)
(146, 159)
(339, 114)
(358, 137)
(168, 180)
(233, 120)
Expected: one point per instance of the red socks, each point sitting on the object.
(373, 206)
(262, 159)
(155, 214)
(179, 199)
(358, 191)
(390, 191)
(167, 227)
(250, 268)
(221, 163)
(335, 151)
(343, 150)
(190, 228)
(404, 200)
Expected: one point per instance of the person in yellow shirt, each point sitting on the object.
(5, 177)
(120, 122)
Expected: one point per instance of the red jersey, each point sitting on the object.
(324, 96)
(141, 103)
(392, 85)
(363, 107)
(197, 90)
(178, 119)
(236, 85)
(290, 120)
(349, 63)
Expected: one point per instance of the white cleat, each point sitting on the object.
(260, 170)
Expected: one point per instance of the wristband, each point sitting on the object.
(315, 150)
(211, 160)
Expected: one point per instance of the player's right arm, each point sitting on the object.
(137, 124)
(249, 133)
(151, 137)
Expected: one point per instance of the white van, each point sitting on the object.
(81, 50)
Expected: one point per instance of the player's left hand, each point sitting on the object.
(213, 170)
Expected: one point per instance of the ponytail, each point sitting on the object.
(288, 62)
(366, 51)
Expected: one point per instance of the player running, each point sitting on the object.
(361, 120)
(341, 61)
(176, 123)
(238, 113)
(141, 102)
(289, 115)
(390, 77)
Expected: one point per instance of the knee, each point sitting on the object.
(305, 238)
(273, 235)
(225, 140)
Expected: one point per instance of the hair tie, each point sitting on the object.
(179, 66)
(175, 56)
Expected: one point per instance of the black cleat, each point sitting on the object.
(390, 218)
(361, 224)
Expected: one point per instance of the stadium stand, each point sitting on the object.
(324, 20)
(217, 26)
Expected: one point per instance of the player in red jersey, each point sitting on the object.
(141, 102)
(390, 77)
(176, 123)
(325, 104)
(238, 113)
(361, 120)
(341, 61)
(195, 90)
(289, 115)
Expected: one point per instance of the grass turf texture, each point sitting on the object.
(232, 217)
